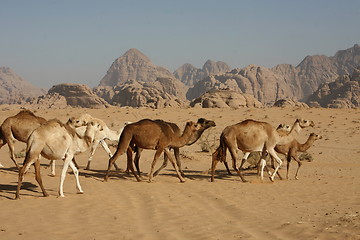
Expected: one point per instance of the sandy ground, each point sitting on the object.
(323, 204)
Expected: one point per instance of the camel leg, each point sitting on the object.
(94, 145)
(238, 170)
(178, 160)
(22, 172)
(167, 153)
(1, 145)
(227, 167)
(130, 163)
(52, 168)
(111, 162)
(299, 165)
(67, 161)
(107, 150)
(38, 177)
(165, 162)
(11, 145)
(137, 159)
(76, 174)
(278, 160)
(156, 156)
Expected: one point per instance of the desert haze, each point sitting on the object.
(324, 203)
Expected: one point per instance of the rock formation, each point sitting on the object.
(344, 92)
(189, 75)
(74, 95)
(221, 98)
(13, 89)
(164, 92)
(290, 103)
(133, 65)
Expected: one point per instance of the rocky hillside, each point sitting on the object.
(282, 81)
(164, 92)
(344, 92)
(13, 89)
(189, 75)
(133, 65)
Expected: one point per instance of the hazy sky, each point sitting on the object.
(51, 42)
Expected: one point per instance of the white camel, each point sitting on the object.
(104, 133)
(54, 141)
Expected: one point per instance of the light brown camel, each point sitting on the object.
(249, 136)
(204, 124)
(291, 149)
(149, 134)
(18, 127)
(54, 141)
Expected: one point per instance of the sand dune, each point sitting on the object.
(323, 204)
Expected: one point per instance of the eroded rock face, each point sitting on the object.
(78, 95)
(189, 75)
(344, 92)
(133, 65)
(13, 89)
(217, 98)
(164, 92)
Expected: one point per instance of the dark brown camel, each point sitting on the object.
(149, 134)
(204, 124)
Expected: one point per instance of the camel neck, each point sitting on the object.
(305, 146)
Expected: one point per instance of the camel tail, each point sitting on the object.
(124, 142)
(220, 152)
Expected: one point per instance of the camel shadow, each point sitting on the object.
(26, 187)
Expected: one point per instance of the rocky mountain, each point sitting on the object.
(67, 94)
(344, 92)
(218, 98)
(189, 75)
(164, 92)
(14, 89)
(282, 81)
(133, 65)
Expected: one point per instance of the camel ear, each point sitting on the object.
(201, 120)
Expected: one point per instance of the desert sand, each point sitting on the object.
(323, 204)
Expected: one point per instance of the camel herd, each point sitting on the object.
(55, 140)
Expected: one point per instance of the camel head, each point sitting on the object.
(193, 126)
(283, 127)
(315, 136)
(91, 129)
(206, 123)
(76, 122)
(303, 123)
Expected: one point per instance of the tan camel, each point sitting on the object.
(149, 134)
(54, 141)
(250, 136)
(204, 124)
(18, 127)
(291, 149)
(100, 137)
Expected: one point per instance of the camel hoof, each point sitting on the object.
(1, 165)
(51, 175)
(271, 179)
(80, 192)
(182, 181)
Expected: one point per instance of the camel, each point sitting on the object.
(291, 149)
(55, 140)
(204, 124)
(18, 127)
(149, 134)
(250, 135)
(100, 137)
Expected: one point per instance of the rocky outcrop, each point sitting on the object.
(282, 81)
(290, 103)
(14, 89)
(164, 92)
(344, 92)
(189, 75)
(220, 98)
(133, 65)
(76, 95)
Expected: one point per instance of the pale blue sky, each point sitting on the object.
(51, 42)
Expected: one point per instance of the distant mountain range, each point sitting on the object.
(267, 85)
